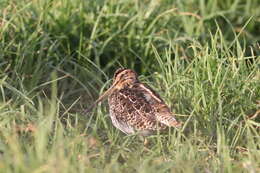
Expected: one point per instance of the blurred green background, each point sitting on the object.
(57, 56)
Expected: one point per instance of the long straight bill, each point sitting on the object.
(101, 98)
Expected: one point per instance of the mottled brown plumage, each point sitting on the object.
(134, 107)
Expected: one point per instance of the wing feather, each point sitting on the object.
(161, 110)
(139, 108)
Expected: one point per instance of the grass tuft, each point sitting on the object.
(56, 57)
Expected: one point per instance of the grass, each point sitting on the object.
(56, 57)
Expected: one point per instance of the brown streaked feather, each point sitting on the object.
(161, 110)
(138, 111)
(135, 107)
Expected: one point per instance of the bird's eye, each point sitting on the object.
(124, 76)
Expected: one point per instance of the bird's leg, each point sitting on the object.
(146, 142)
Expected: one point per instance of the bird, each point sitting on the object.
(134, 107)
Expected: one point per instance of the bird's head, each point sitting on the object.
(124, 77)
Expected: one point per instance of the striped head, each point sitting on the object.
(124, 77)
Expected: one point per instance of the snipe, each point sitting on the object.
(134, 107)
